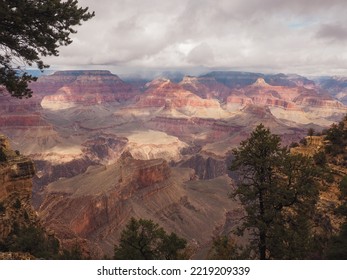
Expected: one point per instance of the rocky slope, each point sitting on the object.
(105, 198)
(16, 172)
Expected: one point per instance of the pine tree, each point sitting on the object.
(145, 240)
(278, 191)
(30, 29)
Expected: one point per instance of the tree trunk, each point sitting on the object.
(262, 231)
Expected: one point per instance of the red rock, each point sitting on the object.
(206, 87)
(89, 88)
(289, 98)
(163, 93)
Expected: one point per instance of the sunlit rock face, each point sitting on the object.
(86, 88)
(173, 99)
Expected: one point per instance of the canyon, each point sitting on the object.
(107, 149)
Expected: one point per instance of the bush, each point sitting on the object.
(294, 145)
(320, 158)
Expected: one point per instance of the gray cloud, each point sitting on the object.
(254, 35)
(201, 55)
(335, 32)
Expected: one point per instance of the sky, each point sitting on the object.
(307, 37)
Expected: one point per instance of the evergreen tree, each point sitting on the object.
(279, 193)
(145, 240)
(30, 29)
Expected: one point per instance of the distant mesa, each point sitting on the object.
(73, 88)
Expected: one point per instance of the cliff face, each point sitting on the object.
(97, 205)
(289, 98)
(16, 172)
(205, 167)
(86, 88)
(99, 201)
(206, 87)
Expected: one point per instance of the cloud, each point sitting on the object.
(257, 35)
(334, 32)
(201, 55)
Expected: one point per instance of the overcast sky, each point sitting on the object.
(292, 36)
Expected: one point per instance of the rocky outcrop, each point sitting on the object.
(205, 167)
(99, 201)
(16, 172)
(104, 148)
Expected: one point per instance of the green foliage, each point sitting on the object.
(31, 240)
(279, 193)
(74, 254)
(3, 156)
(32, 29)
(320, 158)
(338, 246)
(145, 240)
(294, 145)
(224, 248)
(337, 135)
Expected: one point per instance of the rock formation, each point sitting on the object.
(87, 88)
(206, 87)
(173, 99)
(289, 98)
(16, 172)
(105, 198)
